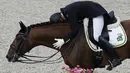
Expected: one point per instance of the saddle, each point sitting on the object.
(114, 33)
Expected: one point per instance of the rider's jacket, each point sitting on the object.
(77, 11)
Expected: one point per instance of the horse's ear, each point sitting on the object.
(22, 25)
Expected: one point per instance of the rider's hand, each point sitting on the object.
(59, 43)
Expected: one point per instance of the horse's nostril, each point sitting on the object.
(7, 56)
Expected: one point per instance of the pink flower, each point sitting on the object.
(72, 70)
(68, 69)
(63, 68)
(78, 70)
(88, 70)
(92, 69)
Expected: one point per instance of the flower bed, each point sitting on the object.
(76, 70)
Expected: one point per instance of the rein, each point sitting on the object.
(45, 60)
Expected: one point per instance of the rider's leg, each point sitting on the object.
(111, 51)
(98, 24)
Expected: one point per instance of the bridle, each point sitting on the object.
(21, 43)
(22, 39)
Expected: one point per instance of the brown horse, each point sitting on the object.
(76, 52)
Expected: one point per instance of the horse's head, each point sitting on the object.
(34, 35)
(20, 44)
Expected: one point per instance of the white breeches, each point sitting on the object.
(98, 24)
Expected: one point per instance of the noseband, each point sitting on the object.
(21, 39)
(20, 43)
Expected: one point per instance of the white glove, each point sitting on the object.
(59, 43)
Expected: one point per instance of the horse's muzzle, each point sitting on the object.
(13, 58)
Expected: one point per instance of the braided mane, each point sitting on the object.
(40, 24)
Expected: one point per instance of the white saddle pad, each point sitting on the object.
(117, 36)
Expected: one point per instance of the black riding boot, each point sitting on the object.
(105, 45)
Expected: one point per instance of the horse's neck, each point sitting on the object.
(45, 35)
